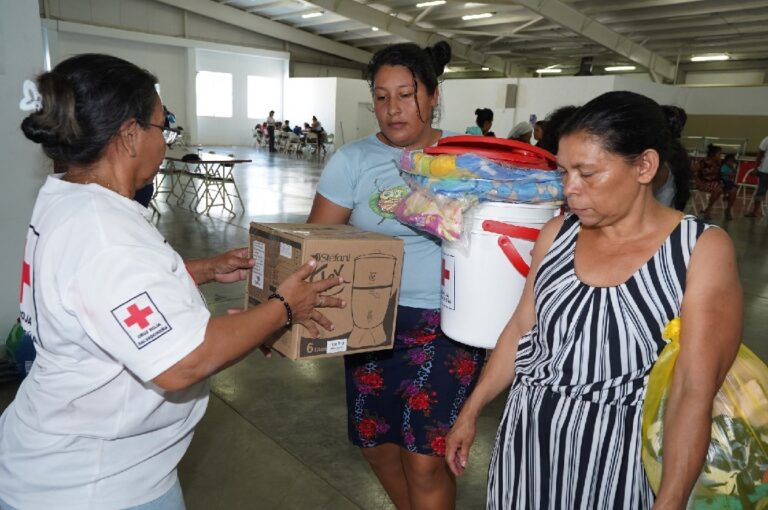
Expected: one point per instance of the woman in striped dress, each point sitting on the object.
(605, 280)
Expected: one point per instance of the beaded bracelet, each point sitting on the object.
(288, 310)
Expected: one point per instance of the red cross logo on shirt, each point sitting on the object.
(138, 316)
(445, 274)
(25, 279)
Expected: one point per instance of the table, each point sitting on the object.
(208, 181)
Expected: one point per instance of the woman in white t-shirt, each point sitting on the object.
(124, 340)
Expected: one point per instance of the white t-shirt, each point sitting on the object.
(110, 306)
(764, 147)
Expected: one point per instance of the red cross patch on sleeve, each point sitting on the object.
(141, 320)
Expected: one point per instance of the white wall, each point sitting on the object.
(540, 96)
(237, 129)
(175, 62)
(662, 94)
(167, 63)
(304, 70)
(354, 111)
(24, 167)
(724, 78)
(305, 97)
(728, 101)
(460, 98)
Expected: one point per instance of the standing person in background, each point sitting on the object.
(271, 131)
(401, 403)
(761, 163)
(483, 123)
(124, 339)
(316, 126)
(728, 171)
(522, 132)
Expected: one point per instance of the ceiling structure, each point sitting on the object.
(516, 38)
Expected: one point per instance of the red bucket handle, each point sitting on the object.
(516, 231)
(504, 230)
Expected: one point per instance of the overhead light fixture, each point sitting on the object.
(612, 69)
(549, 70)
(311, 15)
(375, 29)
(482, 15)
(709, 58)
(485, 68)
(430, 4)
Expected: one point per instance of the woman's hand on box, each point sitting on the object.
(305, 298)
(228, 267)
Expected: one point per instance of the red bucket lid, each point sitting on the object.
(497, 149)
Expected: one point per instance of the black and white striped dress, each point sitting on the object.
(570, 434)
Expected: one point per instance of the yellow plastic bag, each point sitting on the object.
(735, 472)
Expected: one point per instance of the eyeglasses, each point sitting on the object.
(169, 134)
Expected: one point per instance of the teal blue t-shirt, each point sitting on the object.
(363, 176)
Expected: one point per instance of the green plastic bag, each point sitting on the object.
(735, 472)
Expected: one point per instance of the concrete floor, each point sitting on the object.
(274, 436)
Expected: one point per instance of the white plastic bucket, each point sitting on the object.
(482, 282)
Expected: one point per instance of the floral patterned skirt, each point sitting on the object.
(412, 394)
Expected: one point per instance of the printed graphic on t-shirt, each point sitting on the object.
(27, 300)
(383, 201)
(141, 320)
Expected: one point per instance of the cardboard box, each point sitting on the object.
(370, 264)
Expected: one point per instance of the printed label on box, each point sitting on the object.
(339, 345)
(257, 274)
(286, 250)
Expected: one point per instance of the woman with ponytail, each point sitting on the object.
(483, 123)
(123, 337)
(401, 403)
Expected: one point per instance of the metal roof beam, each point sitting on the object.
(264, 26)
(683, 11)
(398, 27)
(574, 20)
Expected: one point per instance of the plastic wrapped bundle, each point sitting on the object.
(443, 187)
(735, 472)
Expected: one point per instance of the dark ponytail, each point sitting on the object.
(483, 115)
(426, 65)
(85, 101)
(679, 165)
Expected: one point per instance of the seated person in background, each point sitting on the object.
(483, 122)
(297, 130)
(521, 132)
(728, 171)
(287, 126)
(538, 130)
